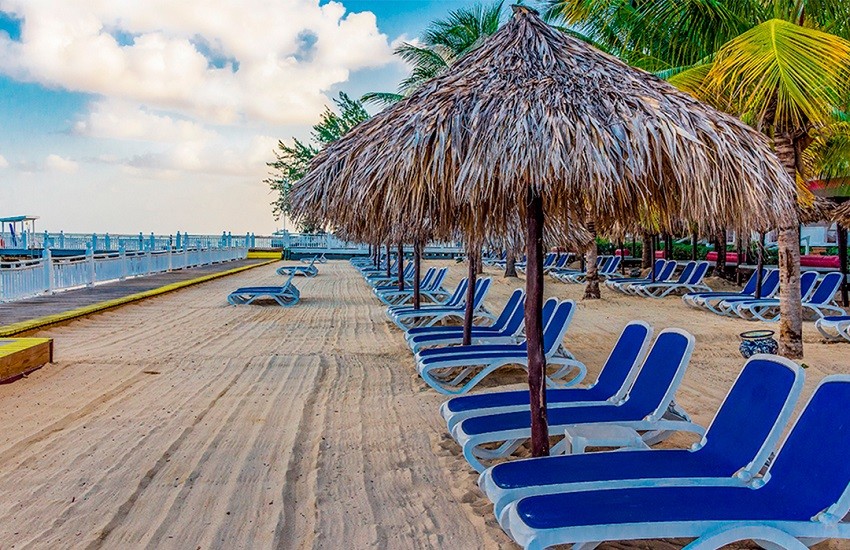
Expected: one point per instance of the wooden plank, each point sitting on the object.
(20, 356)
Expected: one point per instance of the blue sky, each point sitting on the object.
(127, 117)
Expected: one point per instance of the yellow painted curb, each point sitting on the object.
(265, 255)
(32, 324)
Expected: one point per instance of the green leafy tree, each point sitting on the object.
(291, 161)
(442, 44)
(781, 65)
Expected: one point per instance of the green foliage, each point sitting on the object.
(292, 161)
(442, 44)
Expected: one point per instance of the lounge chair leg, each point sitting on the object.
(767, 537)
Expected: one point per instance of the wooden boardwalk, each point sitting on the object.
(47, 304)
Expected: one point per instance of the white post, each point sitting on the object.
(90, 260)
(48, 270)
(122, 253)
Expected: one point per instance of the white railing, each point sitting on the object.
(115, 242)
(26, 278)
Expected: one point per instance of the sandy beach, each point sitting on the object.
(182, 422)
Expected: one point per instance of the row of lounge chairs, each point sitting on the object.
(736, 483)
(606, 266)
(818, 295)
(665, 282)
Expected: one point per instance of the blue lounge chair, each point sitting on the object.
(834, 327)
(611, 385)
(548, 263)
(309, 270)
(379, 279)
(661, 268)
(743, 435)
(746, 309)
(690, 280)
(430, 289)
(285, 295)
(504, 330)
(456, 370)
(558, 274)
(430, 316)
(644, 408)
(607, 269)
(454, 300)
(666, 275)
(724, 306)
(697, 299)
(803, 497)
(816, 300)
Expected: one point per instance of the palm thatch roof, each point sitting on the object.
(533, 110)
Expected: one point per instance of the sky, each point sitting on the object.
(159, 116)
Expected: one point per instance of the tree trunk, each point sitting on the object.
(479, 262)
(591, 288)
(389, 271)
(790, 308)
(472, 275)
(646, 255)
(720, 247)
(534, 325)
(510, 265)
(417, 272)
(400, 266)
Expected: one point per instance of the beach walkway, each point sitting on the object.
(182, 422)
(52, 304)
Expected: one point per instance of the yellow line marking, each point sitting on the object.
(32, 324)
(265, 255)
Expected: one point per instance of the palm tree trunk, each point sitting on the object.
(591, 288)
(790, 308)
(534, 325)
(510, 264)
(720, 247)
(646, 252)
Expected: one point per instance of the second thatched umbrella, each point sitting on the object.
(537, 122)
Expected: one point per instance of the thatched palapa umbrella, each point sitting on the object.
(536, 121)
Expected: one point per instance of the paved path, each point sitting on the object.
(44, 305)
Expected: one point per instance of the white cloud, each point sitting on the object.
(60, 164)
(224, 60)
(3, 162)
(115, 119)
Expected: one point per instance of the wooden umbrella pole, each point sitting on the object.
(694, 247)
(534, 325)
(760, 265)
(417, 269)
(400, 265)
(472, 276)
(842, 262)
(389, 272)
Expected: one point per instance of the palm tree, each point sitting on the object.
(782, 66)
(443, 42)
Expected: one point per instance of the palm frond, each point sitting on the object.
(781, 74)
(382, 99)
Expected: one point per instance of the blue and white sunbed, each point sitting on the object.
(430, 289)
(699, 299)
(504, 330)
(665, 275)
(614, 380)
(816, 300)
(455, 299)
(803, 500)
(743, 435)
(690, 280)
(644, 408)
(607, 269)
(745, 309)
(405, 318)
(456, 370)
(285, 295)
(379, 279)
(309, 270)
(834, 327)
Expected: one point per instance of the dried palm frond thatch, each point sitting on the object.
(534, 110)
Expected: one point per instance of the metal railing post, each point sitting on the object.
(91, 268)
(48, 270)
(122, 253)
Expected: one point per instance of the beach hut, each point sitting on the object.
(538, 126)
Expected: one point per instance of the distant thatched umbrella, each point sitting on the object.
(536, 121)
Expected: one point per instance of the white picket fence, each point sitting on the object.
(26, 278)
